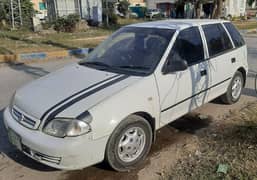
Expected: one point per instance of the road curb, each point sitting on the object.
(248, 31)
(42, 56)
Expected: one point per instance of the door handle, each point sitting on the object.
(233, 60)
(203, 72)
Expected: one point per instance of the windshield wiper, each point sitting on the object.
(133, 67)
(95, 63)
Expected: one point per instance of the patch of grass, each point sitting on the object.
(26, 41)
(245, 24)
(23, 41)
(233, 143)
(124, 21)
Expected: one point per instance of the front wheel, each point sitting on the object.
(129, 144)
(234, 90)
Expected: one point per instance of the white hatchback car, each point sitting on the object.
(109, 106)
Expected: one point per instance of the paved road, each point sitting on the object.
(14, 165)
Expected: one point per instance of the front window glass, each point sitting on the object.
(131, 49)
(188, 46)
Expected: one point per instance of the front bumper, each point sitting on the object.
(62, 153)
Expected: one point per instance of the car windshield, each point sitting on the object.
(131, 49)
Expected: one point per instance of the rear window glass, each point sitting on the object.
(217, 39)
(235, 35)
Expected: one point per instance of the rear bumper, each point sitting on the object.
(61, 153)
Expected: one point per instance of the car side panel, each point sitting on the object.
(221, 74)
(139, 97)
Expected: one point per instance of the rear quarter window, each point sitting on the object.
(217, 39)
(235, 35)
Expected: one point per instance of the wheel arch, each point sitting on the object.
(151, 120)
(243, 71)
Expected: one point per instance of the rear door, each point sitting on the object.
(220, 59)
(240, 50)
(182, 91)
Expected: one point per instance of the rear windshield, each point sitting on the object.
(235, 35)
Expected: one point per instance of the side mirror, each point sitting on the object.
(90, 50)
(174, 66)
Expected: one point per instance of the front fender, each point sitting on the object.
(139, 97)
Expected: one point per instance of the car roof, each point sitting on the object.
(177, 24)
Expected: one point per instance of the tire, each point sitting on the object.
(119, 144)
(229, 97)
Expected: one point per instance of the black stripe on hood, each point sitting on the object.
(85, 95)
(66, 99)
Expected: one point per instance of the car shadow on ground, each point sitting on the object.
(191, 123)
(31, 70)
(249, 92)
(169, 135)
(11, 152)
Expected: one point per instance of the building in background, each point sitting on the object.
(252, 10)
(165, 6)
(40, 7)
(231, 7)
(137, 2)
(234, 8)
(87, 9)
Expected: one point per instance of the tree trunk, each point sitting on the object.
(217, 10)
(198, 9)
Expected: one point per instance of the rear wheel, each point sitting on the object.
(234, 90)
(129, 144)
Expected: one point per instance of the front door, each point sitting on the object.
(181, 92)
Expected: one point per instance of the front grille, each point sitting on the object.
(17, 114)
(40, 156)
(24, 119)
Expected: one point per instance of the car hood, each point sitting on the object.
(56, 92)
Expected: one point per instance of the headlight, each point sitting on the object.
(11, 102)
(67, 127)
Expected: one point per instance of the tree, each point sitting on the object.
(198, 7)
(108, 12)
(217, 10)
(123, 7)
(3, 13)
(27, 11)
(4, 7)
(250, 2)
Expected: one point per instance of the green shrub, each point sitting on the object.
(113, 18)
(123, 7)
(66, 23)
(27, 12)
(46, 25)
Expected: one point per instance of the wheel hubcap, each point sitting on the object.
(131, 144)
(236, 87)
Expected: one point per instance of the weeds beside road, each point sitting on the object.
(244, 25)
(14, 42)
(24, 41)
(232, 143)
